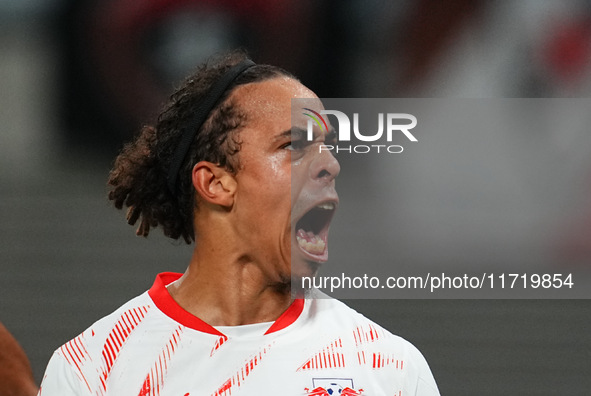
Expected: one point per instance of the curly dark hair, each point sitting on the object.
(138, 179)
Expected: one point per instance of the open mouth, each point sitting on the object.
(312, 229)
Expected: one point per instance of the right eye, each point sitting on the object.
(294, 145)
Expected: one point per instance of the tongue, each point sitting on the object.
(310, 242)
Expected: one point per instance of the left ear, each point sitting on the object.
(214, 183)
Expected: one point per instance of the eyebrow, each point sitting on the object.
(293, 132)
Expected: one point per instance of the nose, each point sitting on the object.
(324, 167)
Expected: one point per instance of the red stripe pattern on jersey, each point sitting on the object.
(220, 341)
(155, 379)
(329, 357)
(239, 378)
(380, 360)
(76, 355)
(368, 334)
(376, 360)
(116, 338)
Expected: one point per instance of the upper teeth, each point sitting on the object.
(326, 205)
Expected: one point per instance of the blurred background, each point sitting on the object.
(79, 77)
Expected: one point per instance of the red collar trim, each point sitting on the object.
(165, 303)
(287, 317)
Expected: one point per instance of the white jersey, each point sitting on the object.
(153, 347)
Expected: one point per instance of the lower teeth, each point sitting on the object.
(315, 246)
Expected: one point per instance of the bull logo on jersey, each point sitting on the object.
(333, 390)
(332, 387)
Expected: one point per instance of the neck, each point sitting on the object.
(224, 287)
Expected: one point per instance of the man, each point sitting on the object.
(222, 168)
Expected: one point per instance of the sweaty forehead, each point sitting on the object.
(270, 98)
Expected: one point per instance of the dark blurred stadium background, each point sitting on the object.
(78, 77)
